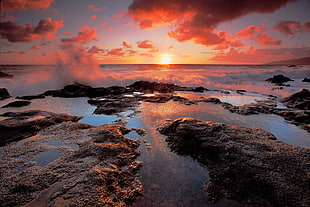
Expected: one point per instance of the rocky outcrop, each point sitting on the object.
(147, 86)
(17, 104)
(300, 100)
(247, 165)
(21, 125)
(278, 79)
(4, 94)
(306, 80)
(5, 75)
(100, 172)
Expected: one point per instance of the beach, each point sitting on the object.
(130, 102)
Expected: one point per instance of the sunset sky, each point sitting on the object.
(159, 31)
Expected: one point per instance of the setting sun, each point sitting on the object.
(165, 59)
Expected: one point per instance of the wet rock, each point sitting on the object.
(5, 75)
(101, 172)
(153, 86)
(17, 104)
(247, 109)
(299, 100)
(278, 79)
(241, 91)
(246, 164)
(4, 94)
(306, 80)
(113, 106)
(70, 91)
(31, 97)
(212, 100)
(21, 125)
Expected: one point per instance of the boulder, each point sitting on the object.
(278, 79)
(153, 86)
(17, 104)
(4, 94)
(306, 80)
(245, 164)
(300, 100)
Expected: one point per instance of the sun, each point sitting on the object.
(165, 59)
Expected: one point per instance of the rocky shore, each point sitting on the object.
(68, 164)
(97, 166)
(248, 165)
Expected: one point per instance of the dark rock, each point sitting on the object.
(299, 100)
(199, 89)
(212, 100)
(4, 94)
(306, 80)
(5, 75)
(41, 96)
(17, 104)
(153, 86)
(278, 79)
(25, 124)
(244, 164)
(102, 171)
(241, 92)
(70, 91)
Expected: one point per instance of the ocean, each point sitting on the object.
(168, 179)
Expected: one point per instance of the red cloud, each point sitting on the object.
(95, 50)
(17, 33)
(94, 16)
(18, 5)
(250, 31)
(257, 34)
(82, 37)
(197, 20)
(146, 44)
(92, 7)
(126, 45)
(288, 27)
(292, 27)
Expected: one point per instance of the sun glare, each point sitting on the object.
(165, 59)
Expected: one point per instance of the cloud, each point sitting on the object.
(120, 15)
(18, 52)
(18, 33)
(126, 45)
(288, 27)
(292, 27)
(196, 20)
(146, 44)
(92, 7)
(258, 34)
(116, 52)
(6, 17)
(20, 5)
(82, 37)
(94, 16)
(95, 50)
(35, 47)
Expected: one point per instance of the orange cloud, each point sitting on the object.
(20, 5)
(250, 31)
(146, 44)
(126, 45)
(120, 15)
(17, 33)
(265, 39)
(196, 21)
(94, 16)
(82, 37)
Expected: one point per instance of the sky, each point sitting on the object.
(154, 32)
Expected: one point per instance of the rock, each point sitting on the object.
(212, 100)
(17, 104)
(70, 91)
(278, 79)
(40, 96)
(21, 125)
(5, 75)
(153, 86)
(199, 89)
(299, 100)
(241, 91)
(245, 164)
(113, 106)
(4, 94)
(306, 80)
(102, 171)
